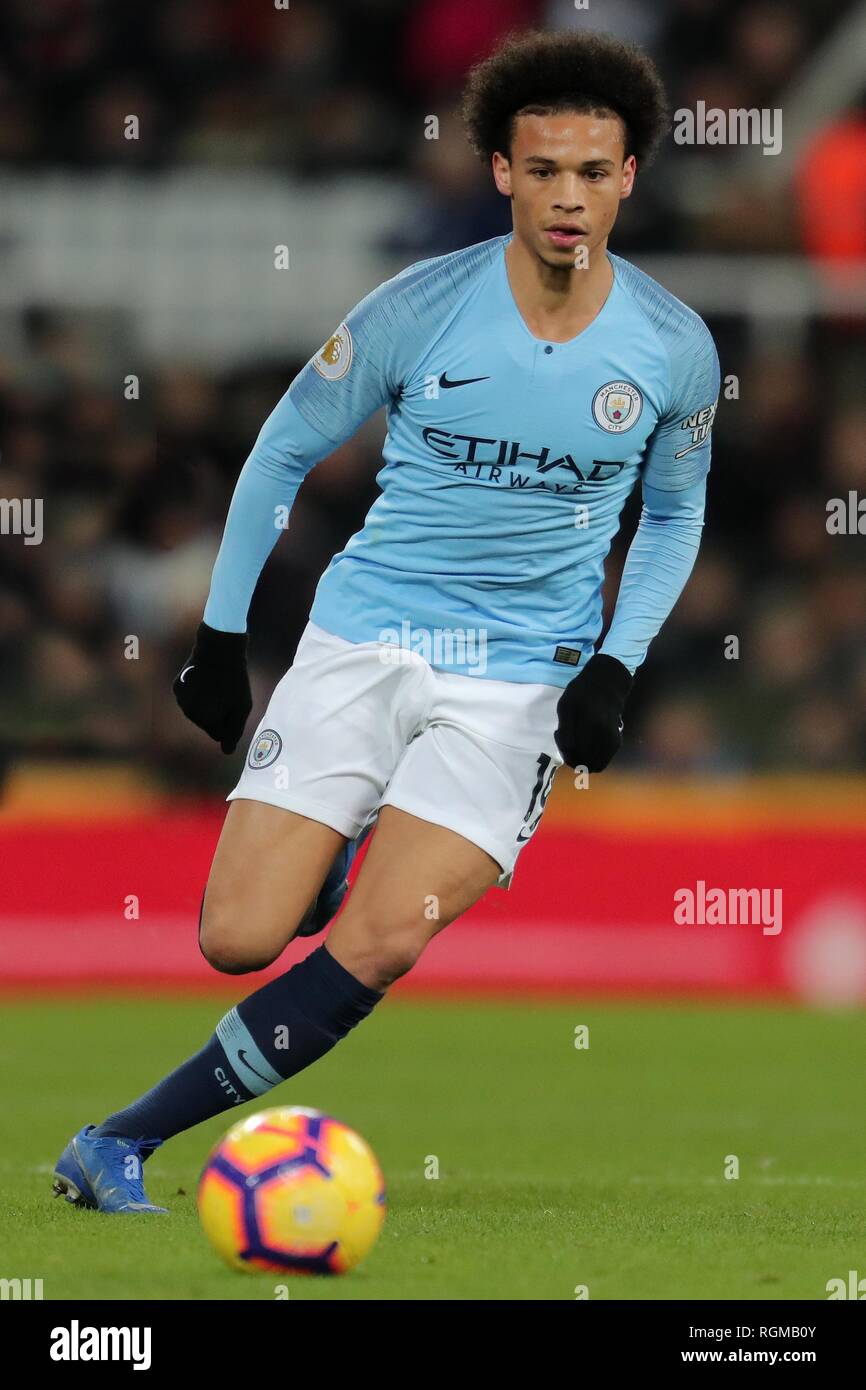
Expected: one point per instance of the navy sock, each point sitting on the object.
(271, 1035)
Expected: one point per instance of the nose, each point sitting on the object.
(570, 194)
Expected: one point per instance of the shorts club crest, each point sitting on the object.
(265, 749)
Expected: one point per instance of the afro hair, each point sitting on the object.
(547, 73)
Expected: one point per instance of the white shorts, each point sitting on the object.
(353, 726)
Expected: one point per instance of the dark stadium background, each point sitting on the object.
(153, 257)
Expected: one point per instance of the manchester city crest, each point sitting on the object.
(265, 748)
(617, 406)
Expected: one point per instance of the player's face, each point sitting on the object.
(567, 171)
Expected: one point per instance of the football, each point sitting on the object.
(292, 1191)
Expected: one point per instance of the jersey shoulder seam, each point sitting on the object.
(685, 311)
(436, 267)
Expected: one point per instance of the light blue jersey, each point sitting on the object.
(507, 463)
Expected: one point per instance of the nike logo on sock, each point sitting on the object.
(242, 1057)
(185, 672)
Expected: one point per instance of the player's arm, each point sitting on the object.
(659, 561)
(351, 376)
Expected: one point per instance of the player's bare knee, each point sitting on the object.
(391, 960)
(379, 959)
(231, 957)
(222, 945)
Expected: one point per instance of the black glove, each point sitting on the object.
(213, 688)
(590, 709)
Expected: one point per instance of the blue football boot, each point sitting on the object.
(105, 1173)
(334, 888)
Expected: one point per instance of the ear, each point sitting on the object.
(502, 174)
(629, 169)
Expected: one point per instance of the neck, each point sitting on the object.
(557, 302)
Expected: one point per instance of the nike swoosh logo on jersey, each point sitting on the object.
(185, 672)
(470, 381)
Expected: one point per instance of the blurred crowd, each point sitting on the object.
(321, 89)
(762, 666)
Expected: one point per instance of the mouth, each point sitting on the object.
(565, 234)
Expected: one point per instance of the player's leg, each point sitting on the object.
(412, 867)
(293, 1020)
(417, 878)
(269, 866)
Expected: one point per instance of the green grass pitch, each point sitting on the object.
(558, 1167)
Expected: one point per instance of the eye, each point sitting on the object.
(542, 173)
(595, 174)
